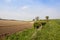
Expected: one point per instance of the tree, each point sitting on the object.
(47, 17)
(33, 19)
(37, 18)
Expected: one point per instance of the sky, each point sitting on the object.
(29, 9)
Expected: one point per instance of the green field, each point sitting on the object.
(50, 31)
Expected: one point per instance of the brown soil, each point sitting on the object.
(10, 27)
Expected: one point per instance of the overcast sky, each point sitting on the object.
(29, 9)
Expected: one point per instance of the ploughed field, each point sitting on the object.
(7, 26)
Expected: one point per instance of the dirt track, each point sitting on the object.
(13, 26)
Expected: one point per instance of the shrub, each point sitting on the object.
(43, 23)
(37, 24)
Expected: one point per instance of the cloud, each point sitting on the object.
(8, 0)
(24, 7)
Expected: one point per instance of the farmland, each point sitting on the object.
(7, 26)
(50, 31)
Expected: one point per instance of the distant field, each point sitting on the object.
(7, 26)
(51, 31)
